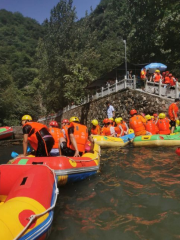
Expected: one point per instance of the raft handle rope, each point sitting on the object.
(33, 217)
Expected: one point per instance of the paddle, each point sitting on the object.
(15, 154)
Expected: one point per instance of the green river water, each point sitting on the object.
(136, 195)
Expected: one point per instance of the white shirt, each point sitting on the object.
(110, 111)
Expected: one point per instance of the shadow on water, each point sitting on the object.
(136, 195)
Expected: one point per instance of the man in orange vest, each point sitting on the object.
(56, 132)
(96, 129)
(173, 111)
(137, 123)
(143, 78)
(38, 136)
(77, 136)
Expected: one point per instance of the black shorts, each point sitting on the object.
(67, 151)
(173, 123)
(44, 146)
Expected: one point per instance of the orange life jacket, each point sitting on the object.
(173, 107)
(81, 136)
(167, 80)
(36, 127)
(57, 134)
(118, 130)
(65, 130)
(136, 123)
(96, 130)
(172, 81)
(157, 77)
(151, 127)
(163, 125)
(124, 126)
(143, 74)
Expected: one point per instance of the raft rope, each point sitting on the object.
(33, 217)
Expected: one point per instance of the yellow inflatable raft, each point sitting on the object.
(109, 142)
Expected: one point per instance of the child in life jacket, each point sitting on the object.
(163, 124)
(95, 129)
(150, 125)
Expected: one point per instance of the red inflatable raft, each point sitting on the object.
(67, 169)
(6, 132)
(27, 197)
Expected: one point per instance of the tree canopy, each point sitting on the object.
(44, 67)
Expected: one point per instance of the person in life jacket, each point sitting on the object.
(163, 77)
(150, 125)
(137, 123)
(167, 78)
(108, 129)
(173, 111)
(163, 124)
(56, 132)
(143, 78)
(172, 81)
(64, 128)
(113, 122)
(77, 136)
(154, 118)
(96, 129)
(119, 129)
(157, 76)
(38, 136)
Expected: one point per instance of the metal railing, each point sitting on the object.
(162, 90)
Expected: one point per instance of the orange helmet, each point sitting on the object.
(106, 120)
(110, 121)
(65, 121)
(155, 115)
(132, 112)
(170, 75)
(53, 123)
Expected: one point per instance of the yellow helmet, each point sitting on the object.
(157, 71)
(111, 119)
(26, 117)
(162, 115)
(152, 117)
(177, 122)
(94, 122)
(148, 117)
(74, 119)
(118, 120)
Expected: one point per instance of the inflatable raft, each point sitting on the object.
(109, 142)
(6, 132)
(157, 140)
(27, 197)
(67, 169)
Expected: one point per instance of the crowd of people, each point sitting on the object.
(166, 78)
(71, 139)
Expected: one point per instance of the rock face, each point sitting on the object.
(123, 102)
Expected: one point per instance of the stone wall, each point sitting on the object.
(123, 102)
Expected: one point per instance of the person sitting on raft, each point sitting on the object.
(56, 132)
(38, 136)
(96, 129)
(150, 125)
(119, 129)
(113, 122)
(64, 127)
(137, 123)
(77, 136)
(108, 129)
(173, 111)
(163, 124)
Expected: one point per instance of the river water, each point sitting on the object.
(136, 195)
